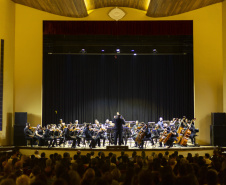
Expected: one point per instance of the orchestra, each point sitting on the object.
(176, 132)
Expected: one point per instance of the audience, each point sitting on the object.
(156, 169)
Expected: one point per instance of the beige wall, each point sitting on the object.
(208, 61)
(7, 32)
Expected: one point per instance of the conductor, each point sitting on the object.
(118, 128)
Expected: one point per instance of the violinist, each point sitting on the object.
(134, 128)
(74, 132)
(173, 137)
(39, 134)
(48, 137)
(100, 133)
(88, 135)
(57, 134)
(107, 123)
(29, 135)
(68, 137)
(62, 126)
(76, 124)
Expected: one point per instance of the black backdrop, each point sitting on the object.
(142, 87)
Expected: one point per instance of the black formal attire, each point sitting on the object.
(75, 134)
(118, 128)
(57, 135)
(28, 133)
(168, 129)
(183, 124)
(193, 132)
(172, 138)
(48, 137)
(41, 141)
(68, 137)
(147, 135)
(88, 135)
(155, 133)
(100, 135)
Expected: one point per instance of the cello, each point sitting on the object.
(141, 135)
(167, 137)
(164, 135)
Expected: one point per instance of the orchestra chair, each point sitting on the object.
(29, 141)
(48, 141)
(130, 141)
(195, 144)
(145, 140)
(87, 141)
(67, 141)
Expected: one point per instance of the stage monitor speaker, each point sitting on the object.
(21, 118)
(218, 135)
(19, 137)
(218, 118)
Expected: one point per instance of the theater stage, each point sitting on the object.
(201, 150)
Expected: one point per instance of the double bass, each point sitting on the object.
(185, 137)
(179, 132)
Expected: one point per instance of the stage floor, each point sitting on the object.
(201, 150)
(129, 149)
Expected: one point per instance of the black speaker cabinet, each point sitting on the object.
(218, 118)
(218, 135)
(21, 118)
(19, 137)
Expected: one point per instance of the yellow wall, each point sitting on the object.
(208, 62)
(224, 53)
(7, 32)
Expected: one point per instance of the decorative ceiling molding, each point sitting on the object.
(164, 8)
(116, 14)
(79, 8)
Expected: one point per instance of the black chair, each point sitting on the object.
(31, 140)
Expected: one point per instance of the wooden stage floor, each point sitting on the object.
(201, 150)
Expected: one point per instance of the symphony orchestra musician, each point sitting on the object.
(167, 133)
(119, 122)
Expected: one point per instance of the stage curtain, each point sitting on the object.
(141, 88)
(184, 27)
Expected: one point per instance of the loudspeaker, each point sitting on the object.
(21, 118)
(218, 118)
(218, 135)
(19, 137)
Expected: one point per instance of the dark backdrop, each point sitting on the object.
(141, 88)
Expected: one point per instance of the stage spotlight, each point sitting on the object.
(83, 51)
(154, 51)
(102, 50)
(118, 50)
(132, 50)
(134, 54)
